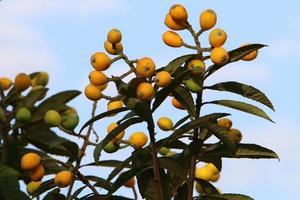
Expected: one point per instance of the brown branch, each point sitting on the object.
(134, 193)
(189, 46)
(115, 98)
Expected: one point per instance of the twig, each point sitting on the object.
(134, 193)
(95, 134)
(116, 59)
(115, 98)
(86, 181)
(189, 46)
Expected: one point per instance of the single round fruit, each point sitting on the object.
(111, 105)
(144, 91)
(97, 78)
(177, 104)
(165, 123)
(30, 161)
(114, 36)
(41, 79)
(203, 173)
(130, 183)
(5, 83)
(199, 188)
(250, 56)
(197, 67)
(37, 173)
(111, 127)
(145, 67)
(100, 61)
(113, 49)
(217, 37)
(33, 186)
(178, 13)
(164, 151)
(163, 79)
(22, 82)
(219, 55)
(111, 147)
(193, 84)
(235, 135)
(102, 87)
(225, 123)
(215, 177)
(208, 19)
(92, 92)
(63, 178)
(69, 121)
(172, 39)
(138, 139)
(212, 168)
(23, 115)
(52, 118)
(174, 25)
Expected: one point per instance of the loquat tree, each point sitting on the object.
(164, 169)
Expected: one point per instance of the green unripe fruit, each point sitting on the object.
(193, 84)
(69, 121)
(42, 78)
(164, 151)
(111, 147)
(52, 118)
(33, 186)
(23, 115)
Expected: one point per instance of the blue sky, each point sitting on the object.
(60, 36)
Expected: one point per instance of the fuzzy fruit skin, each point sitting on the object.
(203, 173)
(197, 67)
(97, 78)
(111, 105)
(250, 56)
(177, 104)
(235, 135)
(37, 173)
(130, 183)
(144, 91)
(145, 67)
(212, 168)
(52, 118)
(111, 147)
(41, 79)
(63, 178)
(207, 19)
(164, 151)
(172, 39)
(22, 82)
(225, 123)
(215, 177)
(113, 49)
(100, 61)
(178, 13)
(138, 139)
(92, 92)
(5, 83)
(174, 25)
(69, 121)
(217, 37)
(32, 186)
(193, 84)
(111, 127)
(219, 55)
(30, 161)
(102, 87)
(163, 79)
(114, 36)
(165, 123)
(23, 115)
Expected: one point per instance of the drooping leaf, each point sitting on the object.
(243, 90)
(106, 197)
(107, 163)
(54, 195)
(182, 120)
(77, 192)
(101, 116)
(100, 182)
(207, 187)
(181, 193)
(177, 62)
(127, 116)
(225, 197)
(45, 186)
(32, 97)
(235, 55)
(112, 134)
(174, 167)
(162, 94)
(7, 171)
(245, 107)
(10, 188)
(132, 85)
(186, 99)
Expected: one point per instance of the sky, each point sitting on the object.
(60, 36)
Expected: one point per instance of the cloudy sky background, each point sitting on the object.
(59, 37)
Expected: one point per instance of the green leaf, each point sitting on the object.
(10, 188)
(243, 90)
(207, 187)
(132, 85)
(182, 120)
(101, 197)
(32, 97)
(127, 116)
(193, 124)
(100, 182)
(77, 192)
(235, 55)
(112, 134)
(181, 193)
(185, 98)
(54, 195)
(102, 115)
(245, 107)
(2, 115)
(107, 163)
(162, 94)
(177, 62)
(7, 171)
(56, 102)
(225, 197)
(44, 187)
(173, 166)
